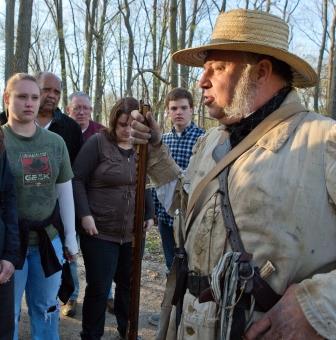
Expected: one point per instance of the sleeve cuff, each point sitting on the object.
(307, 295)
(161, 166)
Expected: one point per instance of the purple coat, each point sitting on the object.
(93, 128)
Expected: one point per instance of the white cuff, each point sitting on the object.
(67, 212)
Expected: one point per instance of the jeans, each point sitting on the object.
(74, 275)
(7, 310)
(41, 294)
(168, 242)
(105, 261)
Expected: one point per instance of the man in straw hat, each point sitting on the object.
(260, 228)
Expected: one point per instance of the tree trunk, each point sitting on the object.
(331, 57)
(61, 43)
(9, 38)
(182, 43)
(173, 43)
(23, 36)
(321, 53)
(130, 53)
(89, 31)
(268, 6)
(332, 99)
(156, 84)
(99, 88)
(185, 71)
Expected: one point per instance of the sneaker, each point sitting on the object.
(110, 306)
(70, 308)
(154, 319)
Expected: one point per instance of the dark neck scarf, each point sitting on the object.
(240, 130)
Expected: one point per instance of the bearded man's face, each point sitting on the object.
(229, 86)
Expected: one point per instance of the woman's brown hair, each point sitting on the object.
(124, 105)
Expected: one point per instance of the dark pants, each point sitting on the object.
(105, 261)
(168, 242)
(7, 310)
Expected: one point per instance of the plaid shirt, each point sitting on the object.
(181, 149)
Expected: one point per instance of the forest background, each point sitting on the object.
(113, 48)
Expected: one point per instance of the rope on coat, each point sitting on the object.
(228, 267)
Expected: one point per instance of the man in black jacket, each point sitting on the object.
(51, 117)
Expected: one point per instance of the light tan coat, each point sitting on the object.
(283, 194)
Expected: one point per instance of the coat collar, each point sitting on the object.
(277, 137)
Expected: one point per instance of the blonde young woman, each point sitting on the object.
(40, 164)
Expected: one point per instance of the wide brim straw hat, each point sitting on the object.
(251, 31)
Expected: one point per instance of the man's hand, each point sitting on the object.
(284, 321)
(6, 271)
(89, 225)
(143, 134)
(148, 225)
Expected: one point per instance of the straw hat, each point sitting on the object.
(251, 31)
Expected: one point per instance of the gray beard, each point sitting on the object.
(244, 95)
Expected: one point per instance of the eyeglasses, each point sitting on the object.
(81, 108)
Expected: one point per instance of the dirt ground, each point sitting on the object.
(152, 288)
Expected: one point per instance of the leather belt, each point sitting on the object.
(197, 283)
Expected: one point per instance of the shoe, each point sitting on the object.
(70, 308)
(154, 319)
(110, 306)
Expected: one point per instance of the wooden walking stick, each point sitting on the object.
(138, 234)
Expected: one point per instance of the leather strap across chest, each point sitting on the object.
(278, 116)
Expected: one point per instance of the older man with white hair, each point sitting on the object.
(257, 250)
(80, 109)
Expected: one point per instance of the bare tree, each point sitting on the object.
(321, 53)
(125, 11)
(61, 43)
(75, 62)
(331, 55)
(158, 23)
(56, 10)
(91, 8)
(222, 7)
(268, 6)
(185, 70)
(99, 87)
(9, 38)
(182, 42)
(23, 34)
(332, 97)
(173, 42)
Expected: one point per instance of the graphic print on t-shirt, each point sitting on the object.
(36, 168)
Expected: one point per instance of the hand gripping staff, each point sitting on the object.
(138, 233)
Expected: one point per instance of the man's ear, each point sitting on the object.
(67, 110)
(264, 71)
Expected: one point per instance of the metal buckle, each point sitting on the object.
(242, 272)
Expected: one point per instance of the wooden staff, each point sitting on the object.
(138, 234)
